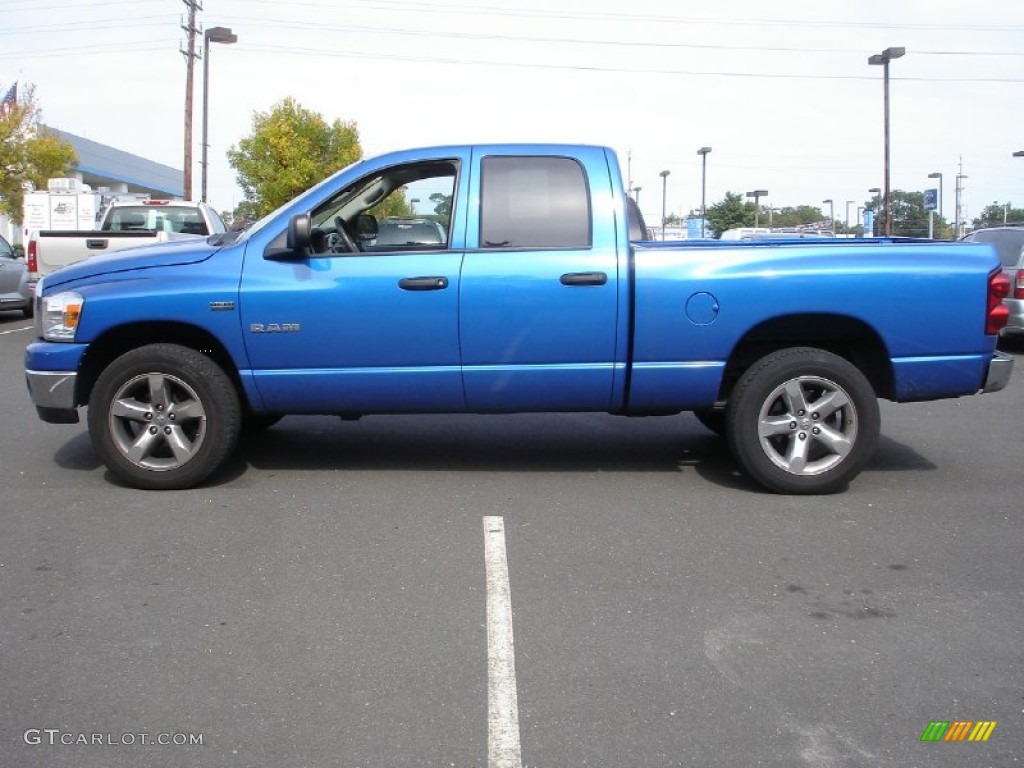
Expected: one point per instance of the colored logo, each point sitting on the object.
(958, 730)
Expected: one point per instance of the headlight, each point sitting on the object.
(60, 315)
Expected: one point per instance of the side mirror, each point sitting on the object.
(299, 229)
(366, 226)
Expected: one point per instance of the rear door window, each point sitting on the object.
(534, 202)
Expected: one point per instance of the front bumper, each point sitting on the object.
(51, 372)
(999, 371)
(54, 394)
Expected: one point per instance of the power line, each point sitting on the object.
(483, 10)
(392, 56)
(450, 35)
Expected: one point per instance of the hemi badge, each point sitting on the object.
(222, 306)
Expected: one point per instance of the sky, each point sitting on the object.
(781, 92)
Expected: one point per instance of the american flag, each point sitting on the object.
(10, 99)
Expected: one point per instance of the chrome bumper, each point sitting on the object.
(54, 394)
(999, 371)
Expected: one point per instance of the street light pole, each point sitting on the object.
(757, 194)
(212, 35)
(703, 152)
(664, 186)
(831, 214)
(883, 59)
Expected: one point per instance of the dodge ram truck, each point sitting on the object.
(542, 297)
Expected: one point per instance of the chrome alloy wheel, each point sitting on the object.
(807, 425)
(157, 421)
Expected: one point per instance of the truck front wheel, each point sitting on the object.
(164, 417)
(803, 421)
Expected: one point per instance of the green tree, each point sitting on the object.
(289, 150)
(442, 207)
(909, 218)
(730, 212)
(798, 216)
(997, 214)
(30, 153)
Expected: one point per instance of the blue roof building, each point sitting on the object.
(103, 166)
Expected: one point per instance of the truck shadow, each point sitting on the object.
(566, 443)
(518, 443)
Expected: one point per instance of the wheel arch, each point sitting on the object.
(116, 341)
(848, 337)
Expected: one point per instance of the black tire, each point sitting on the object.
(180, 393)
(713, 419)
(803, 421)
(30, 310)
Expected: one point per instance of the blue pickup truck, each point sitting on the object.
(544, 296)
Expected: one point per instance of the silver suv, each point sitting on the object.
(15, 289)
(1009, 243)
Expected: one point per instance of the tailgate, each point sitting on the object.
(58, 249)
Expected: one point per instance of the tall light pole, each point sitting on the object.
(212, 35)
(757, 194)
(703, 152)
(831, 213)
(664, 187)
(883, 59)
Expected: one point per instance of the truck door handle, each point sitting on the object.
(96, 245)
(584, 278)
(423, 283)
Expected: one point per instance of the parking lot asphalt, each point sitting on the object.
(323, 601)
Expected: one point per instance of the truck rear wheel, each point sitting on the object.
(164, 417)
(803, 421)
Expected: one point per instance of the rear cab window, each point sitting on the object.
(161, 218)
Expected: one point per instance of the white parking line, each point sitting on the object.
(17, 330)
(502, 701)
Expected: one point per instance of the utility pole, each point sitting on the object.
(959, 197)
(190, 57)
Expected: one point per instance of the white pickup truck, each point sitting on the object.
(124, 225)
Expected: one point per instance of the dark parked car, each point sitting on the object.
(15, 289)
(1009, 242)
